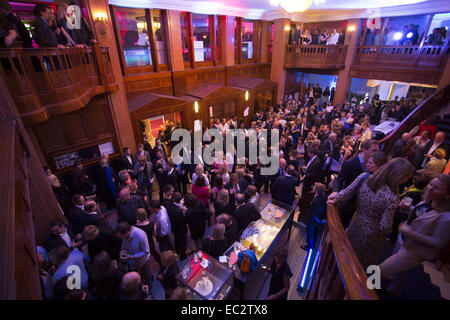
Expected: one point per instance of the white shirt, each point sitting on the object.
(129, 159)
(80, 207)
(333, 39)
(164, 221)
(309, 163)
(66, 238)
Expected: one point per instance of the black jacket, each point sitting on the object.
(105, 241)
(314, 173)
(317, 209)
(350, 170)
(76, 216)
(283, 189)
(125, 164)
(214, 248)
(55, 241)
(127, 210)
(246, 214)
(176, 218)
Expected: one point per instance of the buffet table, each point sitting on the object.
(206, 278)
(264, 234)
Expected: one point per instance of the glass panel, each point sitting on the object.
(438, 29)
(373, 33)
(184, 37)
(201, 32)
(405, 31)
(135, 40)
(159, 36)
(247, 40)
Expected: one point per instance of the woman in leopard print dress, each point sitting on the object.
(377, 200)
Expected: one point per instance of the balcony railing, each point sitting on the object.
(339, 274)
(45, 82)
(315, 56)
(429, 107)
(410, 57)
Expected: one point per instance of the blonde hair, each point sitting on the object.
(53, 181)
(440, 153)
(199, 170)
(62, 8)
(391, 174)
(168, 258)
(222, 196)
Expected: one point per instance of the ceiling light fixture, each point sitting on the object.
(294, 5)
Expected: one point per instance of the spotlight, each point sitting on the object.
(398, 35)
(409, 35)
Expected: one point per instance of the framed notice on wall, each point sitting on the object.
(93, 152)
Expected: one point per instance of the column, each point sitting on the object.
(228, 34)
(118, 99)
(265, 40)
(344, 79)
(174, 45)
(280, 40)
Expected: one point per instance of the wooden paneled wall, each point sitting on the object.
(180, 83)
(73, 131)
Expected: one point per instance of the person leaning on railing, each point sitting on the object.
(425, 232)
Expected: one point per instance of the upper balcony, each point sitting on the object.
(315, 56)
(423, 64)
(50, 81)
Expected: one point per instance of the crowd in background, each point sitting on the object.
(330, 151)
(50, 29)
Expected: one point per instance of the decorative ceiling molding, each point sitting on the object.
(312, 15)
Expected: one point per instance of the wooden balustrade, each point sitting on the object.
(315, 56)
(339, 274)
(410, 57)
(45, 82)
(429, 107)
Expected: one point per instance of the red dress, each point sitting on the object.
(432, 129)
(202, 193)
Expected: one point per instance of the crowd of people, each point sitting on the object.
(326, 36)
(50, 29)
(325, 149)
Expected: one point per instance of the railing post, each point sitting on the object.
(102, 76)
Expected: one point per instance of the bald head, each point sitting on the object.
(406, 137)
(124, 194)
(130, 281)
(283, 163)
(440, 137)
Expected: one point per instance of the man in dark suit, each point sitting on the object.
(142, 152)
(99, 240)
(77, 213)
(160, 167)
(352, 168)
(127, 161)
(326, 147)
(172, 176)
(92, 217)
(234, 187)
(127, 206)
(245, 212)
(62, 235)
(313, 171)
(44, 36)
(283, 189)
(158, 147)
(430, 147)
(316, 213)
(171, 202)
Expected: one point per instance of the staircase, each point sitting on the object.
(417, 285)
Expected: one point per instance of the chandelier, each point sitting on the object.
(295, 5)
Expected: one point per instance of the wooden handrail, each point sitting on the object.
(430, 106)
(43, 79)
(447, 168)
(339, 274)
(427, 56)
(315, 56)
(352, 273)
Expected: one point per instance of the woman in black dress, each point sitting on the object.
(196, 218)
(216, 244)
(279, 283)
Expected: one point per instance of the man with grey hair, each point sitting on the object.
(127, 206)
(132, 289)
